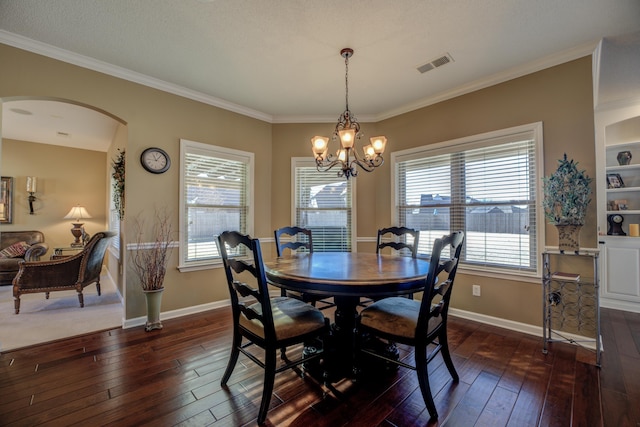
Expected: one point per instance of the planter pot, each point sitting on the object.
(569, 238)
(154, 301)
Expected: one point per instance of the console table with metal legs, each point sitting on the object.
(570, 299)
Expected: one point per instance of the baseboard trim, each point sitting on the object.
(521, 327)
(497, 321)
(633, 307)
(173, 314)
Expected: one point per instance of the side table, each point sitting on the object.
(66, 251)
(570, 301)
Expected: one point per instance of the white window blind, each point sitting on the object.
(323, 203)
(487, 186)
(114, 225)
(114, 221)
(216, 188)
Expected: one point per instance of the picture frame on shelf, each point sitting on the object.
(614, 180)
(621, 205)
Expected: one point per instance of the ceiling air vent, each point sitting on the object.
(438, 62)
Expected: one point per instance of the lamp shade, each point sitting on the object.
(77, 213)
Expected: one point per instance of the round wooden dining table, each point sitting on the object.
(347, 276)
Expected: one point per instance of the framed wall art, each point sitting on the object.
(6, 200)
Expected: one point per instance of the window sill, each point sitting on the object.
(198, 267)
(503, 275)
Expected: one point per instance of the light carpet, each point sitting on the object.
(43, 320)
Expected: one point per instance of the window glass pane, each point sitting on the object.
(486, 187)
(323, 205)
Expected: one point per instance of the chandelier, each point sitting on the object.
(348, 131)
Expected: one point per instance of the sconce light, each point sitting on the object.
(31, 189)
(77, 213)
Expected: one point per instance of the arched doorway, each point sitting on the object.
(68, 146)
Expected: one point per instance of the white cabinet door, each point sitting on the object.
(620, 281)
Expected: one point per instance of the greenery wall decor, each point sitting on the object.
(118, 183)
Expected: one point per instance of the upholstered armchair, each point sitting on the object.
(74, 272)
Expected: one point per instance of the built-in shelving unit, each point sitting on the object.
(617, 129)
(629, 178)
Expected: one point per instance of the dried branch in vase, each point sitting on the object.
(149, 259)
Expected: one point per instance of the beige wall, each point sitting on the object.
(66, 177)
(153, 118)
(560, 97)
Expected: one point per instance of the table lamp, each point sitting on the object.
(77, 213)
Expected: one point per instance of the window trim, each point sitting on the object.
(310, 162)
(219, 152)
(479, 141)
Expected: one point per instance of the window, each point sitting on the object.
(216, 187)
(486, 185)
(323, 204)
(114, 221)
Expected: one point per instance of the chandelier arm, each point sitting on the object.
(367, 164)
(327, 164)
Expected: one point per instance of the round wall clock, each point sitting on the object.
(155, 160)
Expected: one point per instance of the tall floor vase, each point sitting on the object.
(154, 301)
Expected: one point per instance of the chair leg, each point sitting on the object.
(446, 355)
(81, 299)
(16, 303)
(269, 381)
(233, 357)
(98, 287)
(423, 380)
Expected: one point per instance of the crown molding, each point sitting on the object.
(320, 119)
(64, 55)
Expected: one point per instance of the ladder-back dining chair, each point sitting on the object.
(401, 241)
(419, 323)
(296, 238)
(268, 323)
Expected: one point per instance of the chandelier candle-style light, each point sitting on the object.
(348, 130)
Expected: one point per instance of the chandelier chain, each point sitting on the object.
(346, 81)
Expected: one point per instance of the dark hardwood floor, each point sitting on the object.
(172, 377)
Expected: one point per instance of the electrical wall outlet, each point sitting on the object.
(475, 290)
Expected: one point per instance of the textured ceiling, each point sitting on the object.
(279, 61)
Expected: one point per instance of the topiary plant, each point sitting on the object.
(566, 194)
